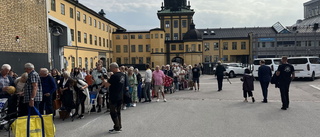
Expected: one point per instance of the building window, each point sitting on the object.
(161, 50)
(161, 36)
(225, 58)
(125, 48)
(243, 45)
(181, 47)
(86, 64)
(79, 36)
(199, 47)
(140, 48)
(147, 36)
(72, 34)
(167, 36)
(133, 48)
(156, 36)
(173, 47)
(167, 24)
(118, 49)
(151, 36)
(91, 63)
(95, 40)
(104, 42)
(187, 48)
(216, 46)
(102, 26)
(272, 44)
(132, 36)
(263, 44)
(78, 15)
(234, 45)
(118, 60)
(148, 48)
(298, 44)
(139, 36)
(90, 21)
(175, 23)
(148, 60)
(117, 36)
(133, 60)
(193, 47)
(184, 23)
(85, 38)
(99, 41)
(126, 60)
(225, 45)
(53, 5)
(90, 39)
(125, 36)
(94, 22)
(73, 63)
(107, 28)
(99, 25)
(309, 43)
(84, 18)
(107, 43)
(110, 43)
(71, 13)
(140, 60)
(80, 62)
(175, 36)
(157, 50)
(206, 46)
(62, 9)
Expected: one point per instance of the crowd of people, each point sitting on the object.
(118, 88)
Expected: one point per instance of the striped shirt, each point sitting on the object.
(33, 77)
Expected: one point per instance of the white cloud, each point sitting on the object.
(141, 14)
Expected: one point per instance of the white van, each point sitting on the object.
(306, 67)
(273, 63)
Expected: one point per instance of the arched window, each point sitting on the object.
(86, 63)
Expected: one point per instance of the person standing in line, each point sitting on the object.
(116, 85)
(5, 81)
(264, 75)
(97, 83)
(158, 78)
(147, 84)
(196, 76)
(247, 85)
(49, 86)
(286, 75)
(220, 71)
(33, 88)
(132, 87)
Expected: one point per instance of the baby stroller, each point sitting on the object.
(5, 120)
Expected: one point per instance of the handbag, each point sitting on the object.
(34, 126)
(56, 104)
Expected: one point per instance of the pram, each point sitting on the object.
(5, 120)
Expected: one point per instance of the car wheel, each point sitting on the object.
(231, 74)
(312, 78)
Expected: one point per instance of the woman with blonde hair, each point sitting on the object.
(133, 86)
(20, 83)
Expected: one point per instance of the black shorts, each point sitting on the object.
(195, 80)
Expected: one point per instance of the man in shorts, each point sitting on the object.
(196, 75)
(158, 79)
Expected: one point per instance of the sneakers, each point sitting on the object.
(113, 131)
(158, 100)
(164, 100)
(134, 105)
(124, 108)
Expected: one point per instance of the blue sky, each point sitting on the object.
(142, 14)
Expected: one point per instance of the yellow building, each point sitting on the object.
(79, 36)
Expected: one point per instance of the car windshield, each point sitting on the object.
(267, 62)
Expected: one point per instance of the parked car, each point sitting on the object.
(233, 69)
(273, 63)
(305, 67)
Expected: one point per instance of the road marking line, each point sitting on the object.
(316, 87)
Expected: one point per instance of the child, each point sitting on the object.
(247, 85)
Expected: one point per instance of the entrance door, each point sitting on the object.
(177, 60)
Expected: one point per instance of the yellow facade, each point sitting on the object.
(91, 34)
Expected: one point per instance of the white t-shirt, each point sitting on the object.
(148, 75)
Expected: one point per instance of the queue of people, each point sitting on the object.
(120, 88)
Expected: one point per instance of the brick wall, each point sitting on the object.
(26, 19)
